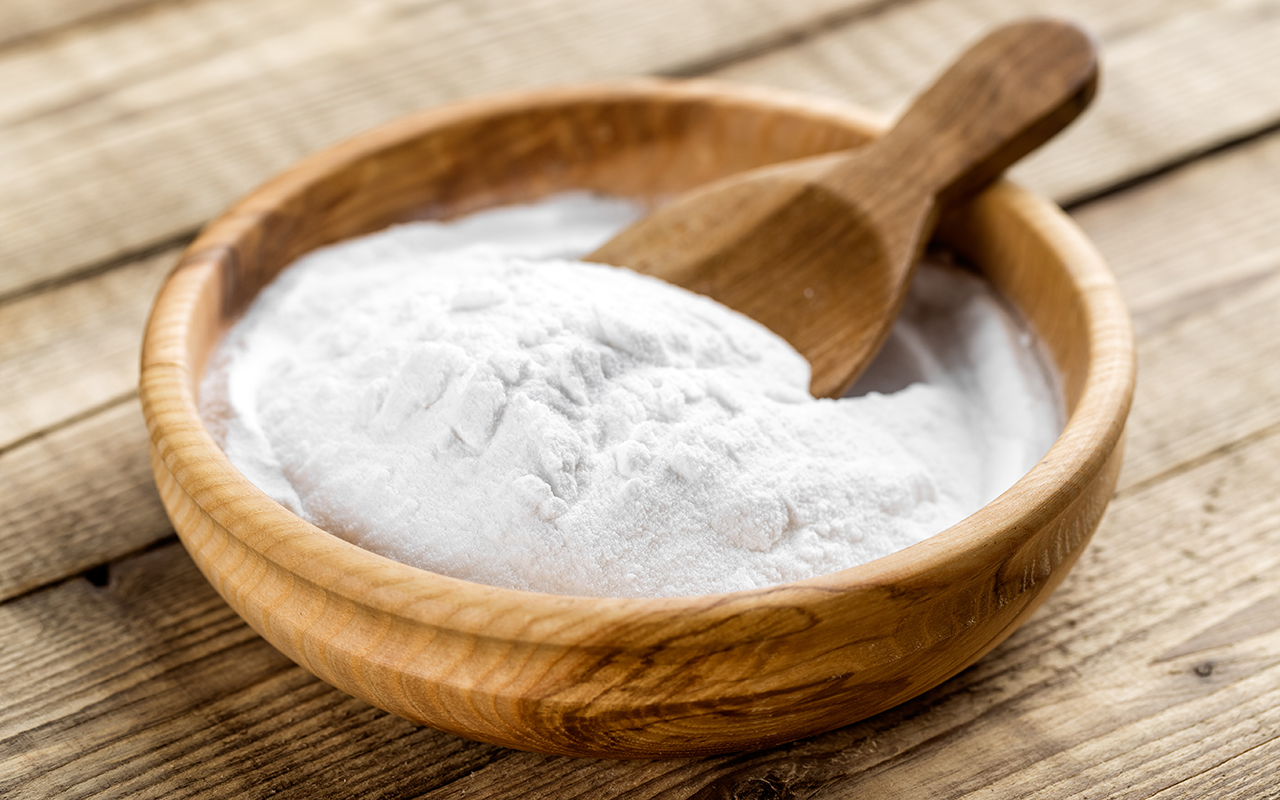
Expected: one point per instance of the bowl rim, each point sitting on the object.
(180, 441)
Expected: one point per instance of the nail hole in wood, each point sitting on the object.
(99, 575)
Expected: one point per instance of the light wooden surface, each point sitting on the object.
(1153, 671)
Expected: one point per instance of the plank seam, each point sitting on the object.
(1182, 467)
(37, 37)
(1073, 203)
(781, 40)
(788, 37)
(66, 422)
(1207, 770)
(94, 269)
(157, 544)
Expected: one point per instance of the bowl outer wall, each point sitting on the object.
(630, 676)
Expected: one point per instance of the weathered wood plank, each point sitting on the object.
(70, 349)
(1227, 781)
(77, 497)
(879, 61)
(1197, 254)
(1207, 383)
(150, 685)
(1179, 77)
(24, 20)
(1189, 240)
(120, 135)
(107, 157)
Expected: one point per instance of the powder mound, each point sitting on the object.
(500, 414)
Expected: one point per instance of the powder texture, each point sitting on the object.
(467, 399)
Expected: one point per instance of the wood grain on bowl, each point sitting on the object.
(822, 250)
(625, 677)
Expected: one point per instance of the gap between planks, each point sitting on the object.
(1178, 77)
(1157, 171)
(74, 348)
(1210, 783)
(131, 183)
(849, 28)
(27, 23)
(782, 40)
(1198, 461)
(77, 498)
(206, 99)
(162, 247)
(67, 422)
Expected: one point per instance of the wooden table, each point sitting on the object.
(126, 124)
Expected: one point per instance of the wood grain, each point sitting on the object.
(106, 156)
(1206, 394)
(1182, 76)
(48, 533)
(118, 135)
(1195, 238)
(1198, 254)
(625, 676)
(68, 350)
(1232, 779)
(22, 21)
(182, 700)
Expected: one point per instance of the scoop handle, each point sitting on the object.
(1001, 99)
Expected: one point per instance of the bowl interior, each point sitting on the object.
(525, 149)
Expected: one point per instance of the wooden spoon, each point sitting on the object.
(822, 250)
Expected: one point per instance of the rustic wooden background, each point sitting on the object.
(126, 124)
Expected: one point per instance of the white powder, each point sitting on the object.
(463, 398)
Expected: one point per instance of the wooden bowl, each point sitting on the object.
(626, 677)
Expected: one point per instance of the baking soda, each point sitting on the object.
(466, 398)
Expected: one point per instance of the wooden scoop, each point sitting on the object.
(822, 250)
